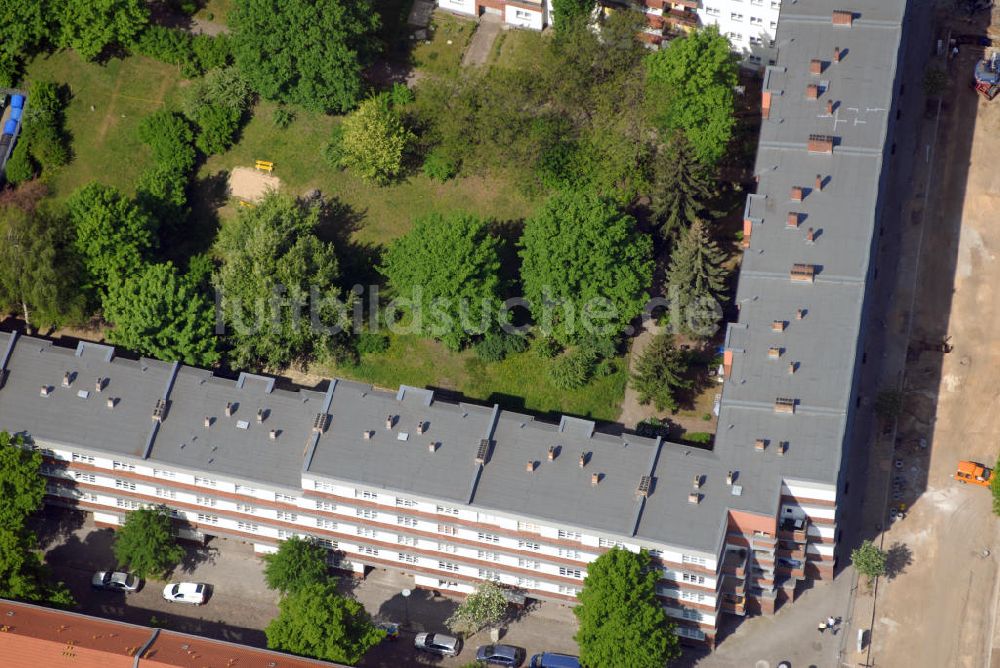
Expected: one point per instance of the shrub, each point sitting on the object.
(400, 95)
(282, 117)
(573, 369)
(371, 342)
(21, 165)
(170, 138)
(333, 150)
(226, 87)
(167, 45)
(375, 140)
(495, 346)
(217, 128)
(700, 437)
(438, 166)
(546, 347)
(209, 53)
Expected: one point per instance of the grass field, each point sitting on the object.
(108, 101)
(517, 383)
(442, 54)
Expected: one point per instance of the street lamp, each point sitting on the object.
(406, 607)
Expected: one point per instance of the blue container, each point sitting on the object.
(10, 127)
(15, 114)
(17, 101)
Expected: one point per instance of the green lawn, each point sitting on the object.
(437, 55)
(215, 10)
(517, 383)
(108, 101)
(518, 49)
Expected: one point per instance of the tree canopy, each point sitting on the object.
(299, 562)
(112, 235)
(869, 560)
(690, 86)
(91, 26)
(375, 140)
(585, 267)
(317, 621)
(697, 281)
(162, 313)
(310, 52)
(278, 281)
(484, 607)
(681, 188)
(450, 267)
(659, 373)
(145, 543)
(22, 486)
(622, 623)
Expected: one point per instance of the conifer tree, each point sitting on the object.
(681, 189)
(697, 281)
(659, 373)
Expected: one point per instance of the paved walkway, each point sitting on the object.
(632, 411)
(481, 44)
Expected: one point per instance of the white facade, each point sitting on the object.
(750, 25)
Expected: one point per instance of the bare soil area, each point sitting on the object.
(251, 185)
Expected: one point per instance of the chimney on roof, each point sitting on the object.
(66, 379)
(260, 415)
(595, 478)
(820, 144)
(784, 405)
(797, 194)
(530, 466)
(829, 107)
(812, 92)
(208, 422)
(694, 497)
(111, 402)
(645, 484)
(367, 434)
(782, 448)
(697, 481)
(836, 54)
(774, 352)
(815, 66)
(159, 410)
(389, 419)
(759, 445)
(99, 385)
(799, 314)
(552, 453)
(583, 459)
(778, 326)
(843, 18)
(803, 273)
(810, 238)
(793, 219)
(729, 478)
(819, 182)
(273, 434)
(791, 367)
(420, 427)
(45, 390)
(229, 409)
(432, 446)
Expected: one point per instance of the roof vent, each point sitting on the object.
(774, 352)
(320, 422)
(389, 421)
(229, 409)
(484, 447)
(778, 326)
(819, 182)
(792, 366)
(67, 379)
(800, 314)
(432, 446)
(737, 490)
(760, 444)
(160, 410)
(784, 405)
(45, 391)
(595, 478)
(584, 458)
(793, 220)
(820, 144)
(530, 466)
(99, 385)
(260, 415)
(208, 422)
(729, 478)
(273, 434)
(815, 66)
(836, 54)
(797, 193)
(694, 497)
(421, 426)
(805, 273)
(111, 402)
(367, 434)
(843, 18)
(553, 452)
(696, 483)
(812, 92)
(645, 482)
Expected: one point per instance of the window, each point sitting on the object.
(285, 534)
(86, 459)
(326, 542)
(125, 484)
(690, 559)
(569, 535)
(522, 14)
(735, 16)
(447, 584)
(406, 540)
(755, 41)
(166, 493)
(687, 613)
(286, 516)
(757, 3)
(754, 59)
(85, 477)
(405, 503)
(609, 543)
(208, 519)
(366, 513)
(569, 554)
(735, 36)
(448, 566)
(486, 555)
(692, 596)
(570, 572)
(365, 494)
(128, 504)
(326, 524)
(568, 591)
(245, 508)
(775, 4)
(774, 26)
(205, 501)
(756, 21)
(528, 545)
(205, 482)
(160, 473)
(326, 506)
(122, 466)
(696, 579)
(447, 529)
(527, 583)
(285, 498)
(322, 486)
(247, 526)
(529, 527)
(365, 532)
(488, 537)
(689, 632)
(243, 489)
(370, 551)
(446, 510)
(402, 520)
(530, 564)
(447, 547)
(89, 497)
(488, 574)
(712, 11)
(407, 558)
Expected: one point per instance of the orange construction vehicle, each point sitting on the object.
(973, 472)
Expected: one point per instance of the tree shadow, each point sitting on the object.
(510, 232)
(55, 525)
(95, 552)
(197, 233)
(195, 556)
(338, 223)
(897, 559)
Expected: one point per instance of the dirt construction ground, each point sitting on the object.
(937, 607)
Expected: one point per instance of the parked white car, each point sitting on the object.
(185, 592)
(115, 581)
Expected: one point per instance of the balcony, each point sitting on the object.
(792, 529)
(763, 541)
(735, 563)
(681, 18)
(735, 605)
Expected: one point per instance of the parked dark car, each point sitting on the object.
(553, 660)
(501, 655)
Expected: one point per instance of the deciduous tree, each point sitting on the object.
(299, 562)
(690, 89)
(869, 560)
(375, 140)
(91, 26)
(585, 267)
(659, 373)
(484, 607)
(279, 285)
(317, 621)
(162, 313)
(309, 53)
(22, 486)
(450, 268)
(622, 622)
(697, 281)
(146, 545)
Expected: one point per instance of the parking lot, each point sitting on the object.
(240, 605)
